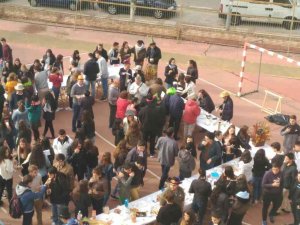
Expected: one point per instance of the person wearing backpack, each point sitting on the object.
(26, 198)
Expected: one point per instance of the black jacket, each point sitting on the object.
(77, 160)
(87, 103)
(60, 190)
(91, 69)
(170, 77)
(169, 214)
(260, 167)
(201, 189)
(289, 174)
(156, 55)
(193, 72)
(227, 108)
(207, 103)
(138, 177)
(294, 194)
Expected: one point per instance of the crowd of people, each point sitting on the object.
(145, 115)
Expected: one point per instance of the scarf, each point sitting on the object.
(138, 48)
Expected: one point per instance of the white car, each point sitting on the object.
(285, 12)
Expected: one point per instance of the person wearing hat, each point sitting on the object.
(16, 97)
(77, 93)
(173, 186)
(139, 53)
(125, 76)
(113, 54)
(176, 106)
(65, 216)
(129, 117)
(138, 71)
(6, 51)
(153, 54)
(239, 208)
(226, 109)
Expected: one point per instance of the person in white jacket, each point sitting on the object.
(6, 172)
(62, 143)
(190, 87)
(246, 164)
(138, 89)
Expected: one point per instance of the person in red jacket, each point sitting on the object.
(6, 52)
(191, 112)
(122, 104)
(56, 78)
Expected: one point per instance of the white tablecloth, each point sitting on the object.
(113, 70)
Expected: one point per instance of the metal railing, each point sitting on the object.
(247, 17)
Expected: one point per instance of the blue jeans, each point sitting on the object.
(200, 209)
(76, 117)
(92, 84)
(256, 181)
(164, 175)
(55, 216)
(104, 87)
(56, 92)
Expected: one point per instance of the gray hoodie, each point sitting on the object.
(186, 160)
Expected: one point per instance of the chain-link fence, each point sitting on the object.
(263, 18)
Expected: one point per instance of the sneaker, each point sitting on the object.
(272, 219)
(264, 222)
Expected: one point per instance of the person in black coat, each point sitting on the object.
(125, 76)
(153, 53)
(91, 69)
(192, 70)
(226, 109)
(171, 72)
(49, 107)
(171, 212)
(2, 99)
(76, 156)
(294, 197)
(86, 104)
(102, 51)
(87, 129)
(244, 137)
(152, 118)
(205, 101)
(201, 190)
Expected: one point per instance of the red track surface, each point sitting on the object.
(244, 112)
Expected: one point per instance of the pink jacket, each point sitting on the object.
(191, 112)
(121, 107)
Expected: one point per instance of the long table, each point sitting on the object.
(149, 202)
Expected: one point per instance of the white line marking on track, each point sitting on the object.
(223, 89)
(246, 223)
(111, 144)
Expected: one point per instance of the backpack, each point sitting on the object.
(15, 207)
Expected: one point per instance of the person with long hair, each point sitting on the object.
(17, 66)
(92, 154)
(39, 159)
(24, 132)
(7, 130)
(260, 166)
(244, 137)
(6, 172)
(107, 169)
(81, 198)
(75, 57)
(133, 134)
(56, 78)
(98, 189)
(125, 52)
(48, 59)
(171, 72)
(59, 63)
(49, 107)
(192, 70)
(246, 164)
(228, 179)
(12, 81)
(188, 218)
(76, 156)
(87, 130)
(47, 149)
(23, 151)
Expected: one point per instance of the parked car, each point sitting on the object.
(156, 8)
(271, 11)
(70, 4)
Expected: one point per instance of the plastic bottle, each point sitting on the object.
(126, 203)
(79, 216)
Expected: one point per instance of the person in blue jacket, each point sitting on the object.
(226, 109)
(27, 197)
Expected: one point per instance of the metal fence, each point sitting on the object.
(280, 18)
